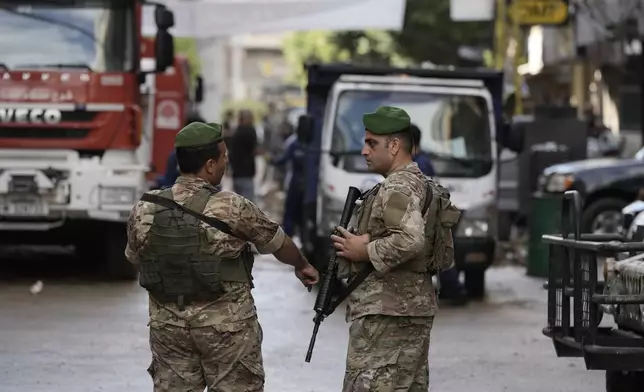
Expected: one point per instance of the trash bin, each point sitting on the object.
(544, 218)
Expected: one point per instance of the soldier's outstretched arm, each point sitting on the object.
(246, 219)
(401, 212)
(289, 254)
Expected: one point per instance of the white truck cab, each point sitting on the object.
(458, 124)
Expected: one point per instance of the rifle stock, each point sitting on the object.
(324, 297)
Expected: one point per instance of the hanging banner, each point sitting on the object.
(204, 19)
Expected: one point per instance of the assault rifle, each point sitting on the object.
(324, 304)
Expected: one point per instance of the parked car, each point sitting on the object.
(606, 186)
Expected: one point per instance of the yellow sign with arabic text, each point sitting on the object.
(539, 12)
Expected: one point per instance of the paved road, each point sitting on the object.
(83, 335)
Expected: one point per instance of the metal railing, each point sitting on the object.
(575, 295)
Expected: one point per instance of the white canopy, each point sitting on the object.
(203, 19)
(211, 22)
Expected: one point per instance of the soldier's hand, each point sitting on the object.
(308, 275)
(350, 246)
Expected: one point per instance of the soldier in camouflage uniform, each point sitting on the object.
(204, 329)
(392, 311)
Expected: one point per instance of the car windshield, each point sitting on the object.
(95, 36)
(455, 129)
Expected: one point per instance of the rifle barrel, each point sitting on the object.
(309, 353)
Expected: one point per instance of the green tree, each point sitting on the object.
(302, 47)
(372, 47)
(428, 34)
(188, 47)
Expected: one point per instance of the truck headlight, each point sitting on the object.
(559, 182)
(473, 223)
(117, 195)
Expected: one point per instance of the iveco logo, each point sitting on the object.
(30, 116)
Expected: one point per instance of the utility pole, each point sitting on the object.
(517, 36)
(500, 34)
(501, 46)
(641, 68)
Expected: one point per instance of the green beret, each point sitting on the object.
(198, 134)
(386, 120)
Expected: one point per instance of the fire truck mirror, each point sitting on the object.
(199, 89)
(164, 50)
(163, 17)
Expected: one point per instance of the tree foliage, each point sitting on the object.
(188, 47)
(317, 46)
(428, 35)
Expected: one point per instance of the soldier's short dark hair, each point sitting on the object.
(415, 134)
(192, 159)
(406, 138)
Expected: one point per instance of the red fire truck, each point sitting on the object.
(77, 113)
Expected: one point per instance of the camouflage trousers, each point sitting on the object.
(388, 353)
(225, 357)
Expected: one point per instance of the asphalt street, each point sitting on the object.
(82, 334)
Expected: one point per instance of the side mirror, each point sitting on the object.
(305, 129)
(199, 89)
(164, 50)
(163, 17)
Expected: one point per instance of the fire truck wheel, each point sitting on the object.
(618, 381)
(104, 244)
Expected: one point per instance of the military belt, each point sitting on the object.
(182, 300)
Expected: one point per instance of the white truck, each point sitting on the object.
(458, 113)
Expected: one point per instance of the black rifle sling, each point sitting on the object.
(344, 293)
(368, 269)
(168, 203)
(428, 198)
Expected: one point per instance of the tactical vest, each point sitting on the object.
(177, 265)
(439, 214)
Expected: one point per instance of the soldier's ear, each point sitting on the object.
(211, 166)
(395, 145)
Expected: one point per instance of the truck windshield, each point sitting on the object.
(455, 129)
(96, 35)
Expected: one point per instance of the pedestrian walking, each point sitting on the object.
(243, 149)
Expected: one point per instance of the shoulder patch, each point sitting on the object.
(395, 208)
(398, 186)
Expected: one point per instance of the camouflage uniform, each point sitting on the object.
(392, 311)
(215, 344)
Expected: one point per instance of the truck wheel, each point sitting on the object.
(603, 216)
(103, 244)
(618, 381)
(475, 283)
(116, 266)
